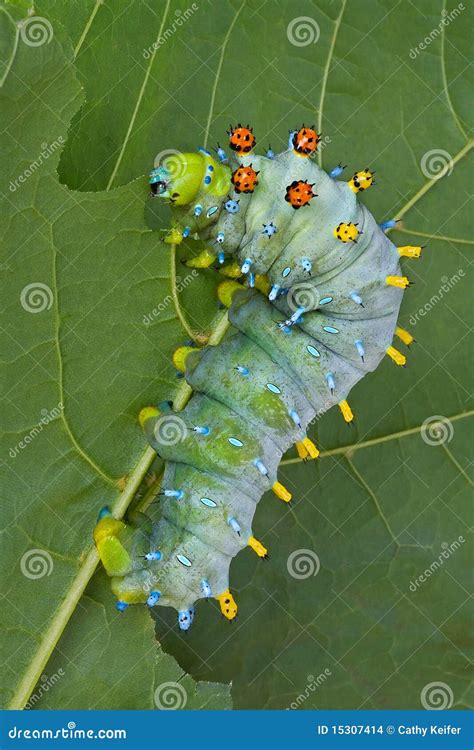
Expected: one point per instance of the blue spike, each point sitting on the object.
(261, 467)
(197, 209)
(153, 556)
(203, 430)
(389, 224)
(270, 153)
(186, 232)
(245, 267)
(337, 171)
(153, 598)
(178, 494)
(251, 280)
(273, 292)
(221, 155)
(205, 588)
(356, 298)
(295, 417)
(360, 348)
(220, 238)
(234, 525)
(330, 381)
(121, 606)
(306, 265)
(221, 257)
(242, 370)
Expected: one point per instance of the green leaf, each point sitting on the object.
(82, 272)
(380, 503)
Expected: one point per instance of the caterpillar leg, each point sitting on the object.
(258, 548)
(112, 553)
(404, 336)
(203, 260)
(346, 412)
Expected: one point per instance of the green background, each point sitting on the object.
(380, 502)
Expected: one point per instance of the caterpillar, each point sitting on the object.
(313, 288)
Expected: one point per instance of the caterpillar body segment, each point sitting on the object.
(317, 310)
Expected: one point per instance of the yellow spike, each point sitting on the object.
(203, 260)
(262, 283)
(346, 411)
(227, 603)
(404, 336)
(281, 492)
(361, 180)
(146, 413)
(397, 356)
(180, 355)
(232, 270)
(400, 281)
(302, 452)
(226, 291)
(310, 447)
(258, 547)
(409, 251)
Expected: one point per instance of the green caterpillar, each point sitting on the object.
(314, 288)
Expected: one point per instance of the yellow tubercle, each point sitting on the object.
(361, 180)
(346, 411)
(232, 271)
(409, 251)
(281, 492)
(396, 356)
(404, 336)
(146, 413)
(226, 291)
(203, 260)
(399, 281)
(346, 232)
(257, 547)
(227, 604)
(180, 355)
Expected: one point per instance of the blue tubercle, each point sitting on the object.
(270, 153)
(337, 171)
(269, 229)
(153, 556)
(389, 224)
(221, 155)
(234, 525)
(185, 618)
(232, 206)
(153, 598)
(121, 606)
(242, 370)
(103, 513)
(206, 588)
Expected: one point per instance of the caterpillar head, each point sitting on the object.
(181, 176)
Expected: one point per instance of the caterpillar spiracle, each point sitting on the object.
(313, 286)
